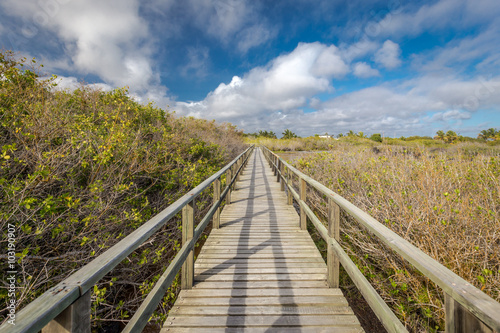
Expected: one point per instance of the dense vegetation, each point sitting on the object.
(445, 199)
(80, 170)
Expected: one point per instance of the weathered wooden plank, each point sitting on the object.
(217, 292)
(260, 284)
(266, 300)
(256, 256)
(310, 329)
(253, 265)
(260, 277)
(263, 321)
(75, 318)
(272, 310)
(286, 270)
(263, 260)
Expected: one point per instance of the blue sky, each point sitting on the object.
(395, 67)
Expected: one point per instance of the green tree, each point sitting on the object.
(450, 137)
(439, 135)
(376, 137)
(488, 134)
(287, 134)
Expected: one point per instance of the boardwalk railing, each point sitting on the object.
(66, 307)
(467, 308)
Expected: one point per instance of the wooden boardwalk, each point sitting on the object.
(259, 272)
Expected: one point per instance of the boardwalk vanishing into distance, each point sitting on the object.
(260, 272)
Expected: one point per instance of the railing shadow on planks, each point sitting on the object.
(66, 306)
(467, 308)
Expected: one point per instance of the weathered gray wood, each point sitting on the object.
(289, 185)
(277, 329)
(260, 284)
(142, 315)
(271, 310)
(242, 321)
(379, 307)
(248, 292)
(303, 195)
(229, 177)
(74, 319)
(259, 263)
(216, 218)
(187, 275)
(460, 320)
(333, 232)
(265, 300)
(260, 277)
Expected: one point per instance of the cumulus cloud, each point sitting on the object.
(105, 38)
(279, 88)
(450, 115)
(388, 55)
(460, 53)
(198, 60)
(363, 70)
(254, 36)
(231, 21)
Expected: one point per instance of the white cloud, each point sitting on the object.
(388, 55)
(461, 53)
(330, 64)
(281, 87)
(198, 59)
(440, 15)
(231, 21)
(450, 115)
(108, 39)
(359, 49)
(254, 36)
(363, 70)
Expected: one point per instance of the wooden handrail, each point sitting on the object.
(62, 297)
(468, 309)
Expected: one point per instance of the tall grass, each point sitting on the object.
(445, 202)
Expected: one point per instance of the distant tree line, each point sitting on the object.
(450, 136)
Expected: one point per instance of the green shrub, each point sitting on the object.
(80, 170)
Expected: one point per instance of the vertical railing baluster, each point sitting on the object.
(216, 217)
(289, 183)
(228, 182)
(333, 232)
(303, 216)
(459, 320)
(282, 177)
(187, 275)
(75, 318)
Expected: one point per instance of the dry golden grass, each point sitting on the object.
(445, 202)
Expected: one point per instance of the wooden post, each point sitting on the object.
(303, 216)
(278, 169)
(282, 178)
(238, 164)
(74, 319)
(228, 181)
(187, 234)
(460, 320)
(333, 232)
(216, 218)
(289, 182)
